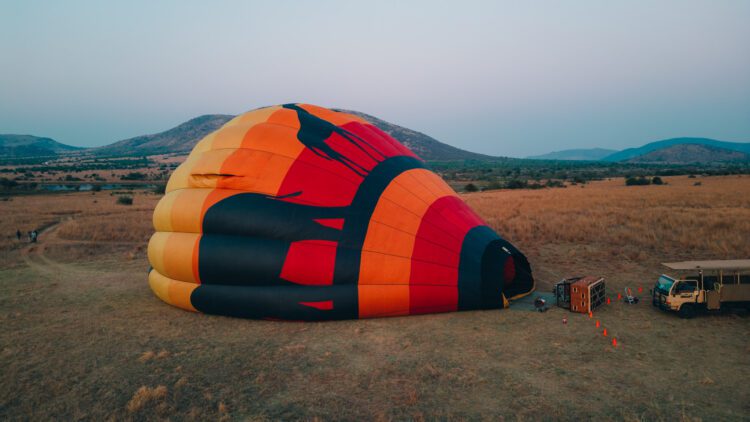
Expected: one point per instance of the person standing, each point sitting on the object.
(18, 234)
(34, 235)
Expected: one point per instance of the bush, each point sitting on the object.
(657, 181)
(8, 184)
(160, 189)
(471, 188)
(637, 181)
(579, 179)
(555, 184)
(133, 176)
(516, 184)
(125, 200)
(96, 188)
(535, 186)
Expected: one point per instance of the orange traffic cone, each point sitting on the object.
(640, 289)
(597, 323)
(605, 332)
(608, 301)
(619, 296)
(614, 342)
(591, 314)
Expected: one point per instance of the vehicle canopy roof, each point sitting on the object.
(730, 265)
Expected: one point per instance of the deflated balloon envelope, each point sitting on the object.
(299, 212)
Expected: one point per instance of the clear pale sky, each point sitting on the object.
(501, 78)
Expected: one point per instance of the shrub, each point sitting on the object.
(637, 181)
(471, 188)
(8, 184)
(657, 181)
(579, 179)
(133, 176)
(516, 184)
(160, 189)
(535, 185)
(96, 188)
(125, 200)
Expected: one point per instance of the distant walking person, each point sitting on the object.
(29, 236)
(18, 235)
(34, 235)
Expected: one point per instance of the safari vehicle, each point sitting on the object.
(701, 285)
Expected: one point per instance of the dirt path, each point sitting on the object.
(35, 256)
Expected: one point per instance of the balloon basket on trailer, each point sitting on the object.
(581, 294)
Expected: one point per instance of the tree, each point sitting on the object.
(471, 188)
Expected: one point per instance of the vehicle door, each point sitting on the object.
(686, 291)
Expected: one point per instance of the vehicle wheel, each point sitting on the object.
(687, 311)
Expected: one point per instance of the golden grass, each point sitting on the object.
(83, 217)
(678, 219)
(145, 396)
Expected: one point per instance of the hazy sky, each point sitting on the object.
(503, 78)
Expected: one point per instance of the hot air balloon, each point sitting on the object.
(298, 212)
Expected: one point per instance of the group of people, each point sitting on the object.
(32, 236)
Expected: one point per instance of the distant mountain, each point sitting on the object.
(426, 147)
(631, 153)
(21, 146)
(690, 153)
(181, 138)
(184, 137)
(590, 154)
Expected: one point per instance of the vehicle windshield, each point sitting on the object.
(663, 284)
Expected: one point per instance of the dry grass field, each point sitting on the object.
(83, 338)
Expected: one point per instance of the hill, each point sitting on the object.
(21, 146)
(631, 153)
(586, 154)
(181, 138)
(426, 147)
(690, 153)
